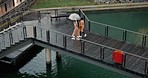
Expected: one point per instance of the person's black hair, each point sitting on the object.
(82, 18)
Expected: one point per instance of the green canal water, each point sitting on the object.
(135, 20)
(70, 67)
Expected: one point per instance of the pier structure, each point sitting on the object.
(95, 48)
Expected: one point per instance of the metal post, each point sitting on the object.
(89, 25)
(144, 41)
(10, 37)
(39, 16)
(124, 60)
(103, 49)
(82, 47)
(79, 12)
(106, 30)
(48, 36)
(56, 40)
(102, 52)
(84, 18)
(146, 67)
(34, 32)
(64, 42)
(24, 32)
(56, 13)
(3, 39)
(124, 35)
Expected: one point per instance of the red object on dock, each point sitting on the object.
(118, 56)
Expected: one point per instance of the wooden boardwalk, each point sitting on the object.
(65, 26)
(91, 49)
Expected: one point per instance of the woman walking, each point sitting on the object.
(76, 31)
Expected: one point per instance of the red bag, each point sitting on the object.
(118, 56)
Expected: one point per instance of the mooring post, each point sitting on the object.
(58, 56)
(48, 55)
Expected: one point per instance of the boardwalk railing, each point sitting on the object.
(117, 33)
(121, 34)
(14, 13)
(132, 62)
(14, 35)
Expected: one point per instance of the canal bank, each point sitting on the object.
(116, 6)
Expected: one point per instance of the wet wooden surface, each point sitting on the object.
(65, 25)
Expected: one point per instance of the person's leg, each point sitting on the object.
(73, 34)
(81, 34)
(84, 34)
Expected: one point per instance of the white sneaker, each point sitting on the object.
(73, 38)
(80, 36)
(77, 38)
(85, 35)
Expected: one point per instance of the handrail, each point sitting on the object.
(33, 30)
(85, 17)
(103, 47)
(81, 39)
(113, 49)
(11, 27)
(125, 32)
(92, 42)
(119, 28)
(111, 25)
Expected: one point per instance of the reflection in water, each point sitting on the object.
(68, 67)
(36, 66)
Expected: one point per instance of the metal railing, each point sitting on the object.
(117, 33)
(15, 14)
(104, 53)
(131, 62)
